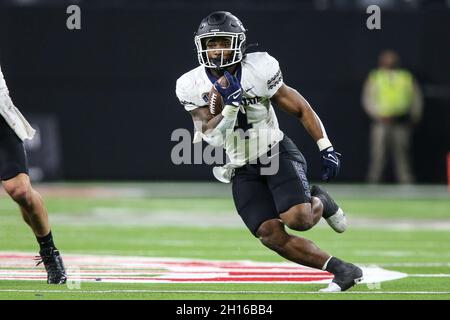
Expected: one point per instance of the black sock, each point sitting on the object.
(334, 265)
(46, 242)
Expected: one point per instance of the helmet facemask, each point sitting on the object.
(237, 48)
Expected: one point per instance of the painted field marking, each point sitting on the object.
(89, 268)
(221, 292)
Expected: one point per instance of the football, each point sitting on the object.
(215, 99)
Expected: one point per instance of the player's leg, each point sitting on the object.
(303, 216)
(273, 235)
(15, 180)
(332, 213)
(299, 208)
(252, 197)
(254, 203)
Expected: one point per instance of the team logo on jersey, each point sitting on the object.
(272, 82)
(205, 97)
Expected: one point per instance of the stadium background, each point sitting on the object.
(109, 87)
(103, 99)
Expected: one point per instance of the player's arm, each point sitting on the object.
(203, 120)
(214, 129)
(207, 127)
(291, 101)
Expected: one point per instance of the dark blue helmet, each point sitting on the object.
(220, 24)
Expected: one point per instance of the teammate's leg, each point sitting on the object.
(35, 215)
(30, 203)
(15, 180)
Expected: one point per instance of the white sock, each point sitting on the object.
(326, 263)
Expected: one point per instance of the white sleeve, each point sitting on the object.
(184, 93)
(14, 118)
(3, 87)
(271, 74)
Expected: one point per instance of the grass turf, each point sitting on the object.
(428, 249)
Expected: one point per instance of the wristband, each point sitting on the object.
(323, 143)
(230, 111)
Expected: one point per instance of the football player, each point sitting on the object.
(14, 129)
(266, 202)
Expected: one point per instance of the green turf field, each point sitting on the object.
(404, 229)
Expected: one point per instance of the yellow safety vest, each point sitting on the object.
(394, 90)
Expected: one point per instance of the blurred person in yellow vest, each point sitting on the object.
(393, 100)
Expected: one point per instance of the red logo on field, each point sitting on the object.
(19, 266)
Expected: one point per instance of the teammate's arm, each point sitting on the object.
(293, 103)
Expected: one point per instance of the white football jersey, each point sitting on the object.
(3, 87)
(12, 115)
(261, 77)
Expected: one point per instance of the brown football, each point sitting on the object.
(215, 99)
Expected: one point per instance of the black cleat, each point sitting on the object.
(345, 277)
(334, 215)
(56, 273)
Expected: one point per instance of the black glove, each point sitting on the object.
(330, 163)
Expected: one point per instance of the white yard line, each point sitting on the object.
(220, 292)
(21, 273)
(430, 275)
